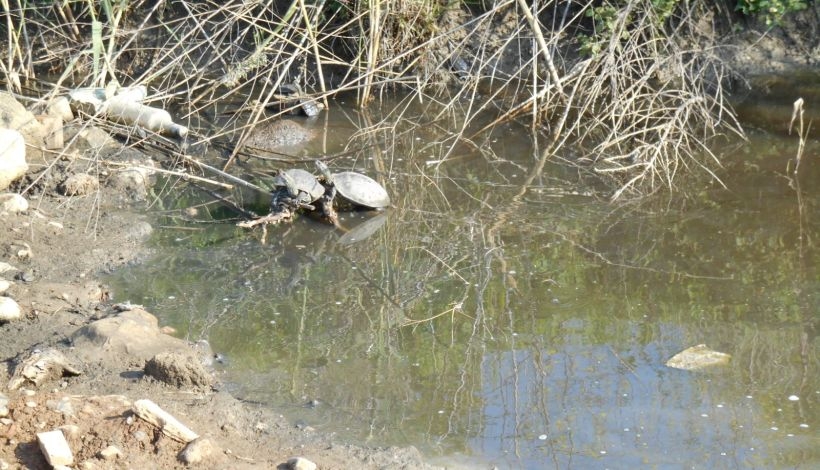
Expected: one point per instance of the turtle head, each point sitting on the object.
(284, 179)
(324, 170)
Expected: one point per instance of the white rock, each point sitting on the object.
(14, 203)
(55, 448)
(197, 451)
(12, 157)
(301, 463)
(60, 107)
(9, 310)
(53, 126)
(170, 426)
(5, 267)
(111, 453)
(4, 285)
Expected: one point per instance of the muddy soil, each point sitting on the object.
(57, 249)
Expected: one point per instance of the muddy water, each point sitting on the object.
(504, 313)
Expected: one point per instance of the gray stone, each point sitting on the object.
(130, 335)
(40, 366)
(12, 157)
(13, 203)
(9, 310)
(198, 451)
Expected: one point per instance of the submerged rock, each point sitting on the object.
(697, 358)
(275, 135)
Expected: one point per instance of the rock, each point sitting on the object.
(40, 367)
(4, 405)
(197, 451)
(131, 183)
(70, 431)
(280, 134)
(697, 358)
(87, 100)
(170, 426)
(55, 448)
(4, 285)
(301, 463)
(53, 126)
(14, 116)
(61, 108)
(12, 157)
(88, 138)
(9, 310)
(79, 185)
(5, 267)
(110, 453)
(132, 335)
(179, 369)
(13, 203)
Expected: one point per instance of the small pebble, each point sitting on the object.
(111, 453)
(794, 398)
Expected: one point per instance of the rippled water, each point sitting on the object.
(502, 314)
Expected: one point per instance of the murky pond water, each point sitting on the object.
(524, 329)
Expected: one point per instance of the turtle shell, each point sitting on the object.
(361, 190)
(306, 185)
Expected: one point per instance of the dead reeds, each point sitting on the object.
(635, 89)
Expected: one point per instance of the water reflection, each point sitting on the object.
(524, 329)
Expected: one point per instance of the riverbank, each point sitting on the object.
(94, 357)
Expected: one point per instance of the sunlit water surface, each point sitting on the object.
(491, 325)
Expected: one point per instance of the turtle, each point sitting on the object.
(360, 190)
(297, 185)
(308, 106)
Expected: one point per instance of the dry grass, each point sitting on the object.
(641, 109)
